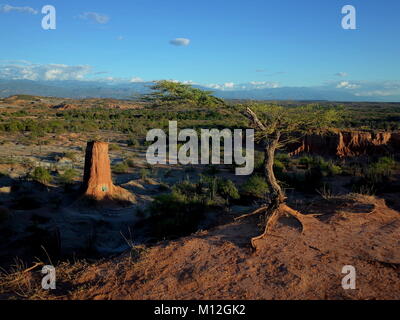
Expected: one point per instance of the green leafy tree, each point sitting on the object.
(165, 92)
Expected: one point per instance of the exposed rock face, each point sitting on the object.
(97, 181)
(347, 143)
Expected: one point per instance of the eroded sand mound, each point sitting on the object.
(97, 180)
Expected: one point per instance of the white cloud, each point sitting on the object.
(224, 86)
(264, 84)
(341, 74)
(29, 71)
(245, 86)
(95, 17)
(382, 89)
(229, 85)
(8, 8)
(136, 79)
(180, 42)
(347, 85)
(120, 38)
(376, 93)
(368, 88)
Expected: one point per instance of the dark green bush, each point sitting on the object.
(120, 168)
(67, 178)
(175, 215)
(41, 175)
(255, 187)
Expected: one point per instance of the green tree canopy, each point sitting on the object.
(167, 92)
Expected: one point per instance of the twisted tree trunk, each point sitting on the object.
(269, 154)
(277, 194)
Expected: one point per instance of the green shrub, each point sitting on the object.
(258, 161)
(130, 163)
(175, 214)
(70, 155)
(305, 161)
(67, 178)
(144, 173)
(120, 168)
(326, 168)
(41, 175)
(256, 186)
(334, 170)
(279, 167)
(283, 158)
(227, 189)
(381, 170)
(133, 142)
(114, 147)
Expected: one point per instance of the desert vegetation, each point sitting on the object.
(310, 157)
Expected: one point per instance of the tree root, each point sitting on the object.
(272, 215)
(258, 211)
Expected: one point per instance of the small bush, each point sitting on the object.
(305, 161)
(227, 189)
(130, 163)
(114, 147)
(67, 178)
(41, 175)
(70, 155)
(283, 158)
(375, 178)
(144, 173)
(120, 168)
(133, 142)
(175, 214)
(381, 170)
(256, 187)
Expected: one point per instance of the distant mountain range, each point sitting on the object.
(126, 90)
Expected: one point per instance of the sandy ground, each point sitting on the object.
(300, 257)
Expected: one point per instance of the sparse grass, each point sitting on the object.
(70, 155)
(326, 192)
(23, 282)
(41, 175)
(144, 173)
(67, 178)
(114, 147)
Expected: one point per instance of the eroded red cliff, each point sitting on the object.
(347, 143)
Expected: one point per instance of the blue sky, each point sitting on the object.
(256, 42)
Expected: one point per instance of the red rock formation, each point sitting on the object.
(347, 143)
(97, 181)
